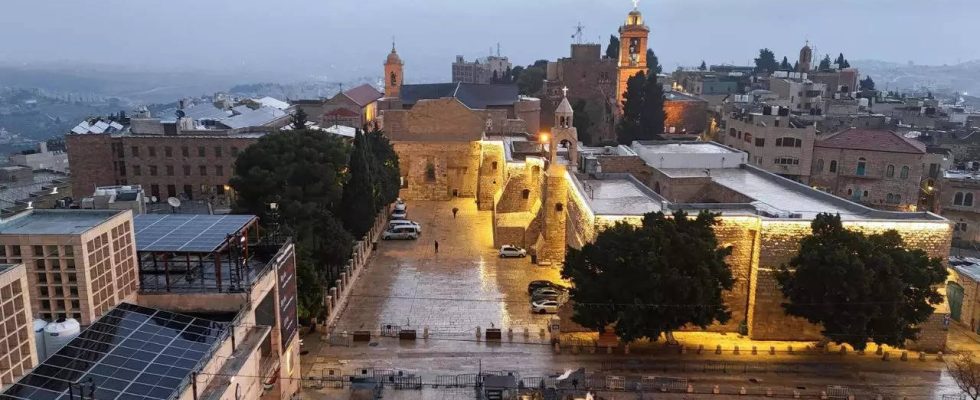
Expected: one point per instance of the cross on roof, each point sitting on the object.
(564, 90)
(636, 4)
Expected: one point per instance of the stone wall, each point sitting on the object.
(91, 161)
(434, 171)
(874, 180)
(492, 176)
(555, 208)
(439, 120)
(686, 116)
(970, 313)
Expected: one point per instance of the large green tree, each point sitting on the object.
(530, 80)
(703, 66)
(359, 205)
(582, 121)
(385, 168)
(650, 280)
(652, 114)
(653, 63)
(867, 83)
(785, 65)
(612, 50)
(766, 62)
(299, 119)
(824, 64)
(842, 62)
(628, 129)
(860, 287)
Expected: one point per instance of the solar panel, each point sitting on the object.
(185, 232)
(131, 353)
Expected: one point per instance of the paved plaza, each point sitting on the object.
(466, 285)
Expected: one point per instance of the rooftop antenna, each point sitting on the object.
(498, 49)
(578, 33)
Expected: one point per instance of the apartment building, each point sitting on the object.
(798, 93)
(17, 351)
(773, 139)
(484, 70)
(959, 201)
(879, 168)
(79, 263)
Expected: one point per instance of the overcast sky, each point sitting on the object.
(343, 39)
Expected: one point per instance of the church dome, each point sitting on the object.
(634, 18)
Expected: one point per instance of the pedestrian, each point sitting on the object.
(455, 210)
(437, 247)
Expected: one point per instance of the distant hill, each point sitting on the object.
(962, 77)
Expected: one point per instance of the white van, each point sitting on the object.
(400, 222)
(401, 232)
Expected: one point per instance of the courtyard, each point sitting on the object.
(408, 285)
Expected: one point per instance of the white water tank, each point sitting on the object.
(42, 352)
(58, 334)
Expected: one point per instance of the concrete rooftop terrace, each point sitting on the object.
(618, 194)
(55, 222)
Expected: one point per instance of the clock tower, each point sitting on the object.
(632, 51)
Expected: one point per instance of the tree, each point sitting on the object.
(629, 128)
(703, 66)
(867, 83)
(299, 119)
(582, 121)
(842, 62)
(531, 79)
(386, 170)
(784, 66)
(359, 204)
(766, 62)
(824, 64)
(860, 287)
(965, 371)
(653, 63)
(652, 114)
(650, 280)
(796, 65)
(612, 50)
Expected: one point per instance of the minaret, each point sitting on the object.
(564, 131)
(633, 37)
(806, 58)
(393, 74)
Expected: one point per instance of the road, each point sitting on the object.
(465, 285)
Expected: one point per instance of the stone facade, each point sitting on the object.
(874, 185)
(959, 200)
(773, 142)
(685, 114)
(188, 166)
(438, 170)
(591, 79)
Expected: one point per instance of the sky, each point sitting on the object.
(346, 39)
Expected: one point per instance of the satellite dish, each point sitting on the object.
(54, 190)
(173, 201)
(181, 114)
(154, 199)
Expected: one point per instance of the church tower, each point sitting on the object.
(632, 51)
(806, 58)
(564, 132)
(393, 74)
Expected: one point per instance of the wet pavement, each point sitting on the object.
(406, 284)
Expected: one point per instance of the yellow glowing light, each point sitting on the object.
(544, 137)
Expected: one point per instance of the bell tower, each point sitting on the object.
(393, 74)
(806, 58)
(633, 36)
(564, 132)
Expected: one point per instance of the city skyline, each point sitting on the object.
(347, 40)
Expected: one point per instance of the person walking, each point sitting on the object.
(455, 210)
(437, 247)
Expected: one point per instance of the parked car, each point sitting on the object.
(509, 250)
(401, 232)
(545, 307)
(400, 222)
(400, 205)
(542, 297)
(547, 291)
(535, 285)
(399, 214)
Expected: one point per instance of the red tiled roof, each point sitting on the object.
(872, 140)
(342, 112)
(363, 95)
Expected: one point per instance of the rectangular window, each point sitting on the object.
(234, 151)
(200, 151)
(170, 170)
(184, 151)
(219, 189)
(188, 191)
(217, 151)
(168, 151)
(135, 150)
(137, 170)
(760, 142)
(172, 190)
(219, 170)
(203, 170)
(152, 150)
(153, 170)
(187, 170)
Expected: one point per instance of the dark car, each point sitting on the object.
(535, 285)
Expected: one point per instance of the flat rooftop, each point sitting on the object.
(187, 233)
(619, 194)
(968, 266)
(684, 148)
(55, 222)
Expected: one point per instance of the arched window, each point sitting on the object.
(865, 193)
(526, 194)
(968, 200)
(731, 132)
(494, 165)
(833, 166)
(820, 165)
(850, 191)
(861, 167)
(958, 199)
(905, 172)
(898, 198)
(890, 171)
(890, 198)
